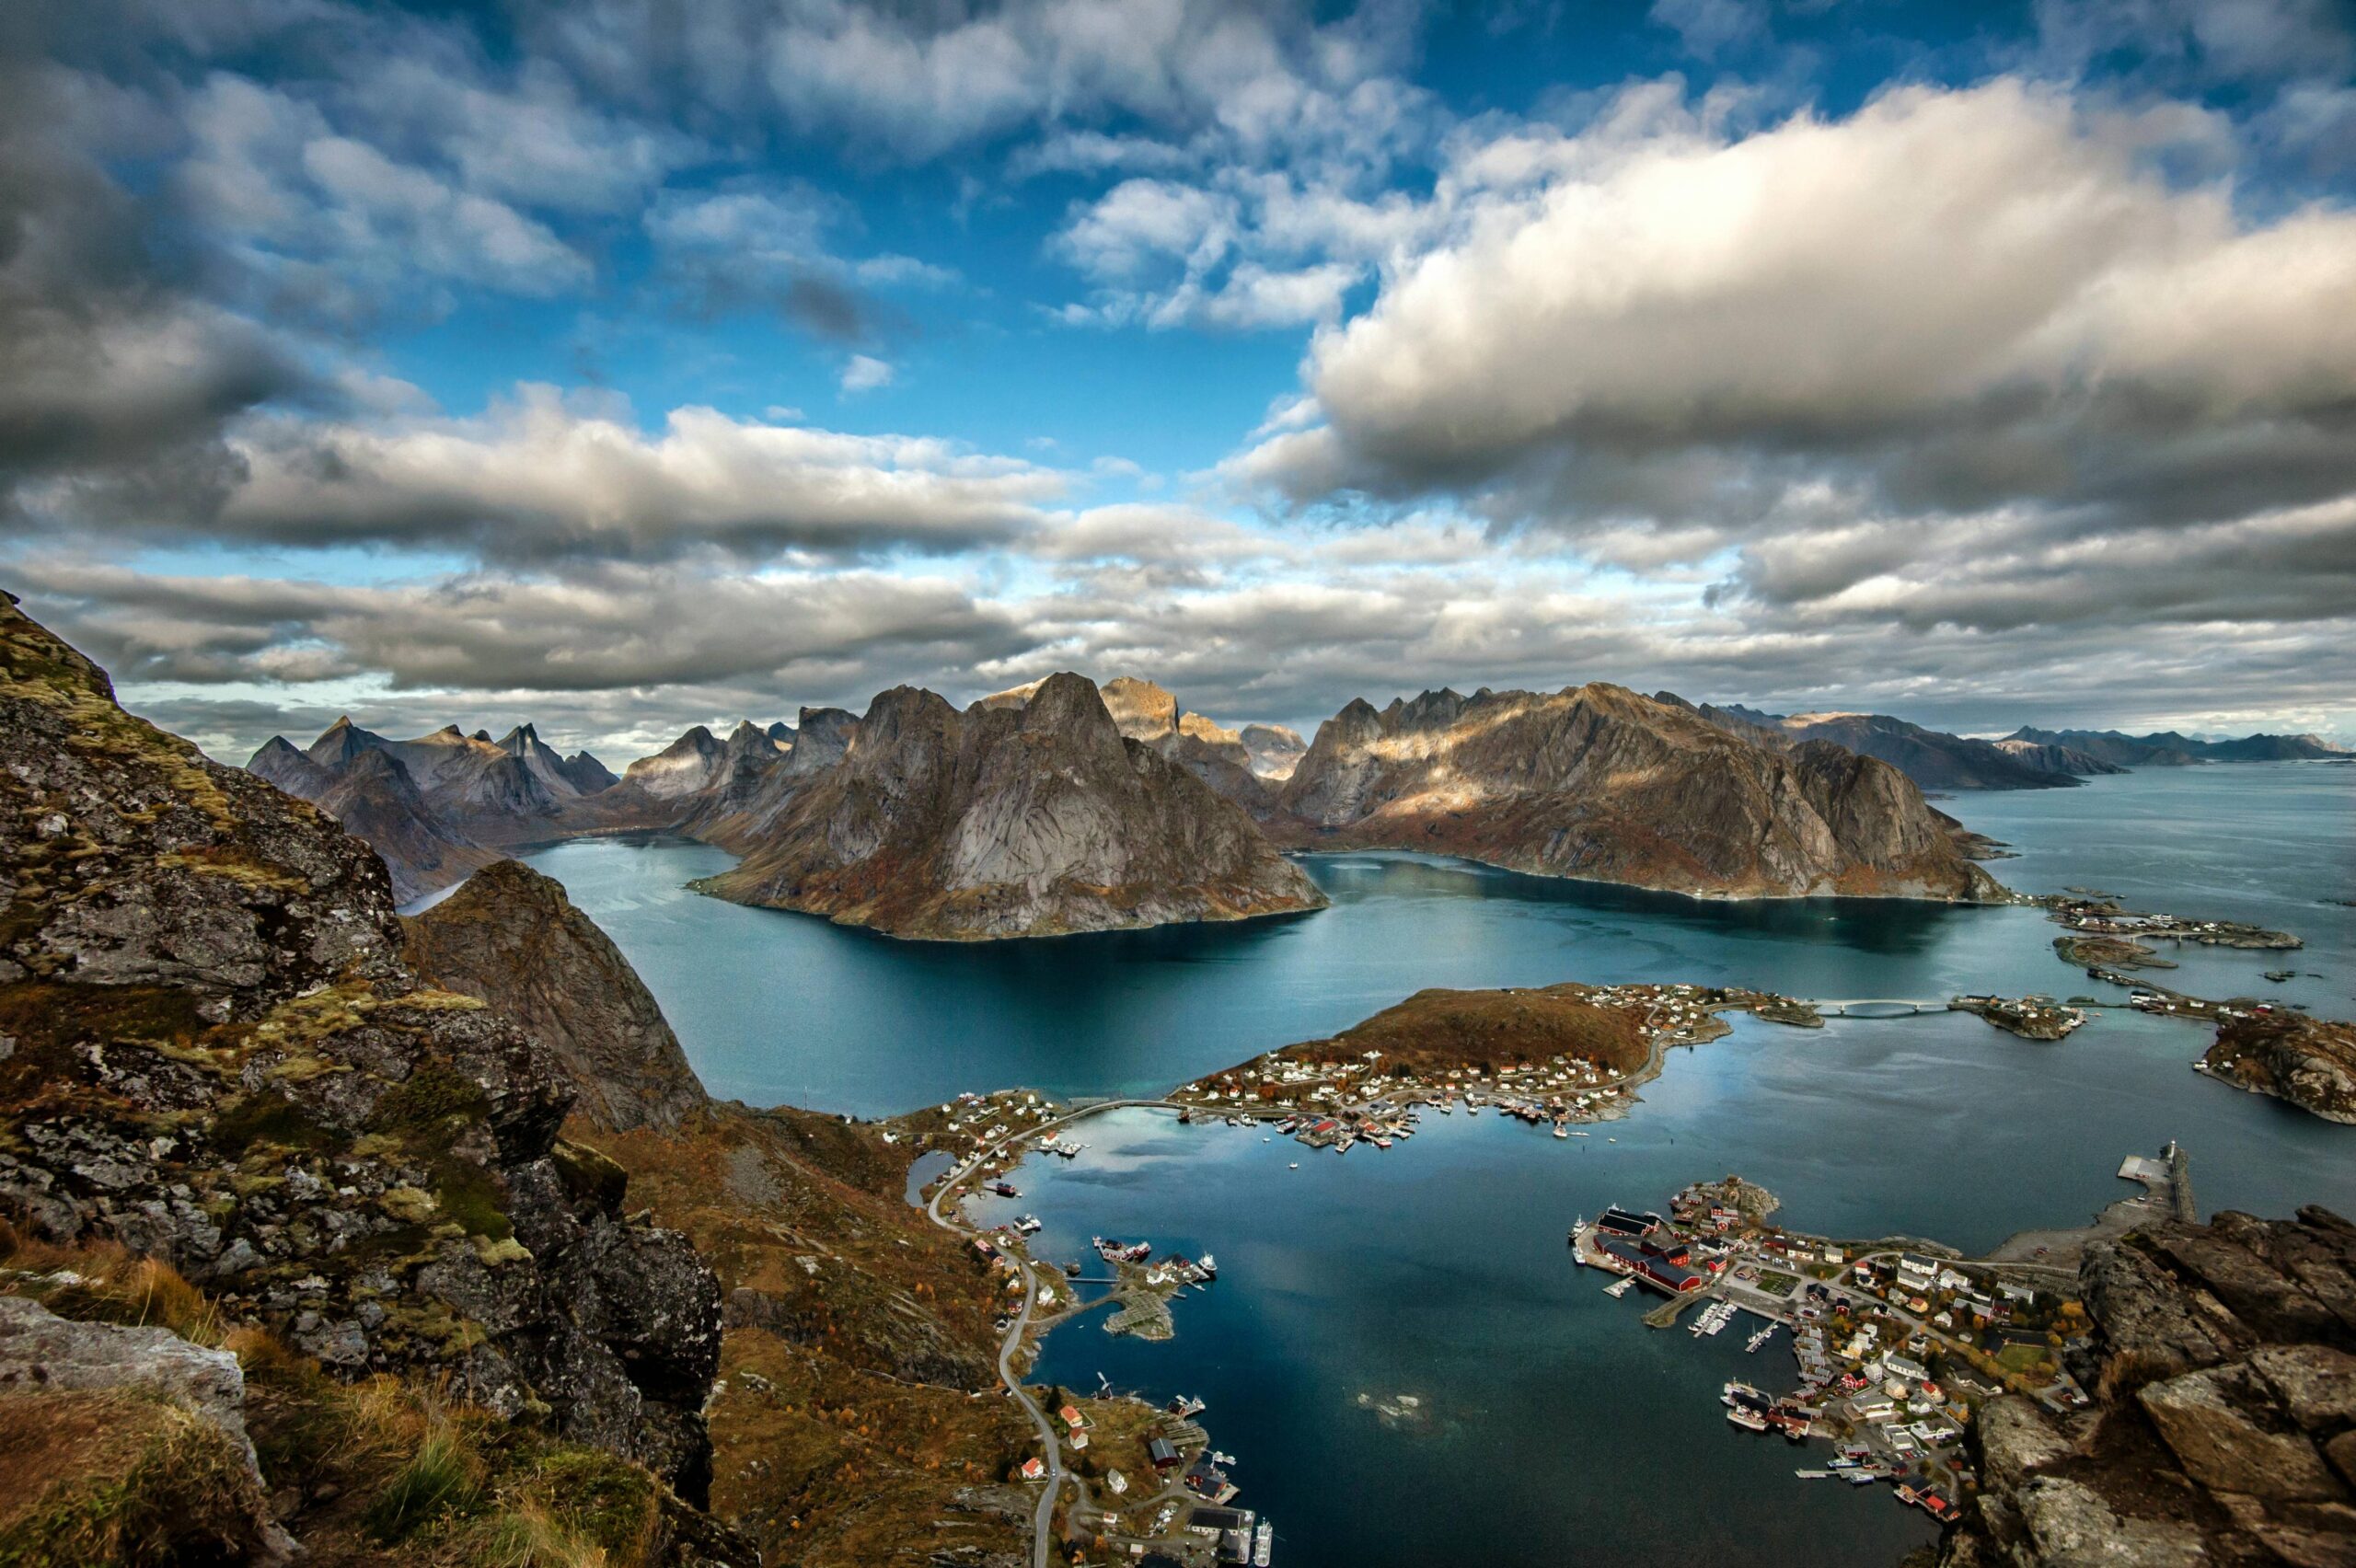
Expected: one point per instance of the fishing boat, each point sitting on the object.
(1750, 1421)
(1562, 1132)
(1263, 1540)
(1209, 1264)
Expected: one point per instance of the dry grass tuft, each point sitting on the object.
(107, 1283)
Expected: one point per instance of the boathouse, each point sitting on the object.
(1655, 1272)
(1617, 1221)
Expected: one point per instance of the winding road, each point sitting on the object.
(1008, 1348)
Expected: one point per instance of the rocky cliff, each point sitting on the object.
(212, 1051)
(2224, 1426)
(1601, 783)
(511, 937)
(1024, 817)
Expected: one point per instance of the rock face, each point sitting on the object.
(1933, 758)
(218, 1056)
(1274, 750)
(511, 937)
(1599, 783)
(2307, 1061)
(2225, 1430)
(1028, 818)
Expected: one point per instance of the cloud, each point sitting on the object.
(608, 630)
(864, 373)
(750, 248)
(116, 373)
(544, 476)
(1958, 299)
(268, 174)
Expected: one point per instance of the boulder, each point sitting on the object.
(2225, 1429)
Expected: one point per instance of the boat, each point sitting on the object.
(1750, 1421)
(1294, 1166)
(1813, 1474)
(1209, 1264)
(1761, 1337)
(1263, 1539)
(1620, 1286)
(1562, 1133)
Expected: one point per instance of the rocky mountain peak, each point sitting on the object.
(1141, 709)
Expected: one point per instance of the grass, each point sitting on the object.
(106, 1282)
(119, 1477)
(443, 1476)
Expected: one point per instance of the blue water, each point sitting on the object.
(1561, 1429)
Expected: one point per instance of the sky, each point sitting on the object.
(620, 365)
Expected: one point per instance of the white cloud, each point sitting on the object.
(544, 475)
(862, 373)
(1973, 294)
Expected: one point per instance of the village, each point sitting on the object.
(1896, 1345)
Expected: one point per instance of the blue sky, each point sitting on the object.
(584, 363)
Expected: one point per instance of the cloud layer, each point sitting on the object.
(2023, 388)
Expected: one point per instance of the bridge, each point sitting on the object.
(1876, 1007)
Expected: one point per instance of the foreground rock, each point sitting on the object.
(2225, 1428)
(157, 1380)
(1024, 817)
(216, 1056)
(1599, 783)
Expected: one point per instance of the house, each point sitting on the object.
(1033, 1468)
(1160, 1452)
(1668, 1249)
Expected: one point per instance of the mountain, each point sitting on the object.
(1027, 814)
(219, 1059)
(686, 766)
(1599, 783)
(1933, 758)
(1275, 751)
(370, 793)
(2168, 749)
(2055, 758)
(511, 935)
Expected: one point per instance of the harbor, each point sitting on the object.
(1895, 1343)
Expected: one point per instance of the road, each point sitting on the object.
(1050, 1440)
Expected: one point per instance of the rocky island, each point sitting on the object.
(1028, 815)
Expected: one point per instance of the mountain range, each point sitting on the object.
(920, 820)
(2169, 749)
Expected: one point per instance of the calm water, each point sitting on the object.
(1561, 1429)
